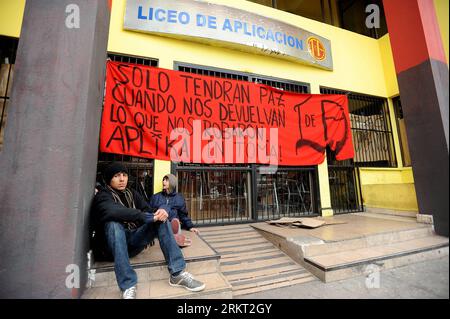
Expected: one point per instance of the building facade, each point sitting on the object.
(381, 175)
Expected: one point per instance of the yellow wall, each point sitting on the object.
(161, 168)
(390, 77)
(361, 64)
(389, 188)
(11, 13)
(351, 52)
(441, 8)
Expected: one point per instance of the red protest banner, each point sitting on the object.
(170, 115)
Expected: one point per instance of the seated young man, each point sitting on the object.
(124, 225)
(175, 204)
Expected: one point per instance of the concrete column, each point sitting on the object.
(49, 158)
(422, 73)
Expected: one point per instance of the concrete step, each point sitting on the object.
(217, 287)
(339, 265)
(315, 248)
(252, 264)
(391, 212)
(150, 264)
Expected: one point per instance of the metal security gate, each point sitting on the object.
(230, 194)
(288, 192)
(345, 186)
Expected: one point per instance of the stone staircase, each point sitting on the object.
(351, 258)
(250, 263)
(153, 277)
(377, 242)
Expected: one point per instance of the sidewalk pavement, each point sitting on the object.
(424, 280)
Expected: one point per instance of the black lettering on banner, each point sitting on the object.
(163, 82)
(147, 121)
(129, 130)
(302, 141)
(223, 112)
(119, 68)
(119, 116)
(141, 144)
(272, 97)
(174, 122)
(186, 82)
(117, 135)
(197, 106)
(136, 76)
(310, 120)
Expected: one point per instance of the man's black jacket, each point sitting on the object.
(105, 209)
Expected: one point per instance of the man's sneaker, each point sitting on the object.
(186, 280)
(129, 293)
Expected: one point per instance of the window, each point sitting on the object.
(319, 10)
(371, 129)
(402, 131)
(140, 169)
(8, 48)
(353, 17)
(347, 14)
(216, 194)
(236, 193)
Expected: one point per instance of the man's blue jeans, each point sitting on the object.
(124, 243)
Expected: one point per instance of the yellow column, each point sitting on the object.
(161, 167)
(11, 16)
(324, 189)
(395, 136)
(324, 183)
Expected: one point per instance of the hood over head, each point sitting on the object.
(173, 182)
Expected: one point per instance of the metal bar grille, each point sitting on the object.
(286, 193)
(211, 72)
(8, 49)
(133, 59)
(287, 86)
(216, 196)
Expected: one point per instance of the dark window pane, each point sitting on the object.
(353, 17)
(263, 2)
(309, 9)
(216, 196)
(285, 193)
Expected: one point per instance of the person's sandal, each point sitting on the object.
(182, 240)
(176, 226)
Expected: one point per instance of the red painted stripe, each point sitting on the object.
(412, 26)
(432, 31)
